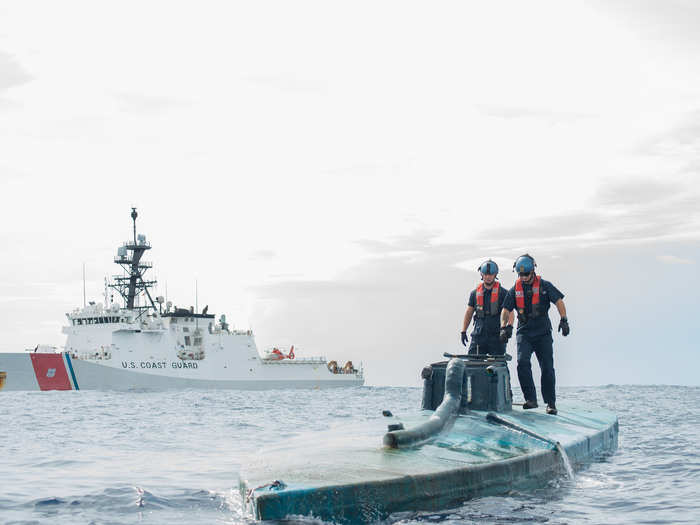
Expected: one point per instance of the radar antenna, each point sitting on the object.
(128, 257)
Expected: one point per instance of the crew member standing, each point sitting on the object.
(531, 296)
(485, 304)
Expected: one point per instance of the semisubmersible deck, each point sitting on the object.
(148, 343)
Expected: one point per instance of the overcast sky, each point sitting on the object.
(332, 173)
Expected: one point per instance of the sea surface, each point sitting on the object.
(175, 456)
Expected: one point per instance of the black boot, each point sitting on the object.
(529, 404)
(551, 409)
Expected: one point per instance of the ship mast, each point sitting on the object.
(128, 257)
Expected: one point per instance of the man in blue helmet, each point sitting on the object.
(485, 304)
(531, 296)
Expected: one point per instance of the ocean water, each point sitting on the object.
(175, 457)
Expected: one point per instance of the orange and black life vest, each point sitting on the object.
(520, 299)
(493, 310)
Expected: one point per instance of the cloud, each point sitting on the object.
(147, 104)
(672, 259)
(688, 130)
(289, 83)
(677, 138)
(261, 255)
(518, 112)
(672, 22)
(634, 192)
(12, 74)
(405, 246)
(562, 225)
(398, 313)
(620, 211)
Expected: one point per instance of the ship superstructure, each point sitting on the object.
(149, 343)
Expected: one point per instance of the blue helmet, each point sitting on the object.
(489, 267)
(524, 264)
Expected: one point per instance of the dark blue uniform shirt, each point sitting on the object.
(534, 325)
(489, 325)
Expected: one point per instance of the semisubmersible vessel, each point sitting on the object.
(467, 441)
(148, 343)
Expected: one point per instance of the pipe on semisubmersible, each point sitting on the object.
(444, 414)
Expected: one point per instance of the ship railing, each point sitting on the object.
(103, 355)
(297, 360)
(131, 245)
(129, 260)
(344, 371)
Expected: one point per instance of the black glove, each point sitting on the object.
(564, 326)
(506, 333)
(464, 338)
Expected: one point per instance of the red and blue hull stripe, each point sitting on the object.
(54, 371)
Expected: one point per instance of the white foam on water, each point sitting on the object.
(565, 461)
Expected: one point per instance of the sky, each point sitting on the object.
(331, 174)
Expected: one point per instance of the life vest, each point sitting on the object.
(520, 299)
(493, 310)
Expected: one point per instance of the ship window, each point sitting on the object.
(187, 340)
(197, 340)
(185, 329)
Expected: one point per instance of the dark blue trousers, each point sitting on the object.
(541, 346)
(486, 345)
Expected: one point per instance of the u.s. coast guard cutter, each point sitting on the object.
(148, 343)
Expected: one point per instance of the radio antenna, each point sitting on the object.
(84, 301)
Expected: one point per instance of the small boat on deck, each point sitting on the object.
(467, 441)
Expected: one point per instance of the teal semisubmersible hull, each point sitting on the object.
(347, 475)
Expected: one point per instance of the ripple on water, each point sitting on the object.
(164, 457)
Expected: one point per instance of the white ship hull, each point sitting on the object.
(47, 371)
